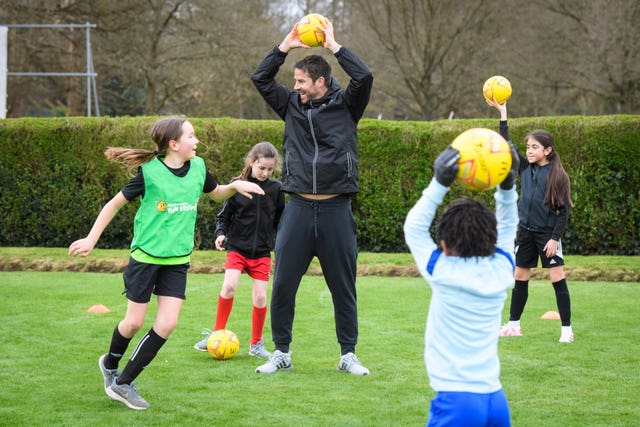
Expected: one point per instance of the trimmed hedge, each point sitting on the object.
(55, 179)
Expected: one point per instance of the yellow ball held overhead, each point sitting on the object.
(485, 159)
(310, 29)
(497, 88)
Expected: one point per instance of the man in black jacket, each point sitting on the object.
(320, 173)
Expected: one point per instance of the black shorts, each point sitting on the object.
(141, 279)
(530, 247)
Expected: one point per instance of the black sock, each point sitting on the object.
(347, 348)
(117, 348)
(563, 300)
(282, 347)
(143, 355)
(519, 297)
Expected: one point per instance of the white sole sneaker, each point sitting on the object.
(350, 363)
(108, 374)
(127, 394)
(201, 345)
(566, 338)
(259, 350)
(278, 361)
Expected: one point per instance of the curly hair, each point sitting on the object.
(469, 228)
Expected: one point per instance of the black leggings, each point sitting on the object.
(325, 229)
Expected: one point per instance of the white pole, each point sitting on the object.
(3, 71)
(88, 47)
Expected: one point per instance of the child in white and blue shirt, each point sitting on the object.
(469, 277)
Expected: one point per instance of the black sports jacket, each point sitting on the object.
(250, 224)
(320, 146)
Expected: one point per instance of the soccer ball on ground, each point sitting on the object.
(223, 344)
(310, 29)
(497, 88)
(485, 159)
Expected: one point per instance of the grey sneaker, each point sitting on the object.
(258, 349)
(350, 363)
(127, 394)
(108, 374)
(277, 361)
(202, 344)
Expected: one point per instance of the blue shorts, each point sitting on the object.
(458, 408)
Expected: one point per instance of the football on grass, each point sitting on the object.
(223, 344)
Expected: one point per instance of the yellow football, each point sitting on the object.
(497, 88)
(223, 344)
(485, 158)
(310, 29)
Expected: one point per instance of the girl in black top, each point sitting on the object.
(247, 228)
(169, 178)
(543, 210)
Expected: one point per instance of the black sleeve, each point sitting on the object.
(279, 209)
(504, 132)
(563, 213)
(264, 79)
(210, 183)
(561, 221)
(223, 219)
(358, 92)
(135, 187)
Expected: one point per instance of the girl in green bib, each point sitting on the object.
(169, 183)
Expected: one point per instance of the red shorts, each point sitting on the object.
(258, 268)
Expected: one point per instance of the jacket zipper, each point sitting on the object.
(315, 154)
(286, 162)
(256, 233)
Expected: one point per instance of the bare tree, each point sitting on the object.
(429, 57)
(601, 60)
(150, 44)
(192, 55)
(428, 50)
(153, 56)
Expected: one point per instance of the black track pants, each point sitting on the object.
(325, 229)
